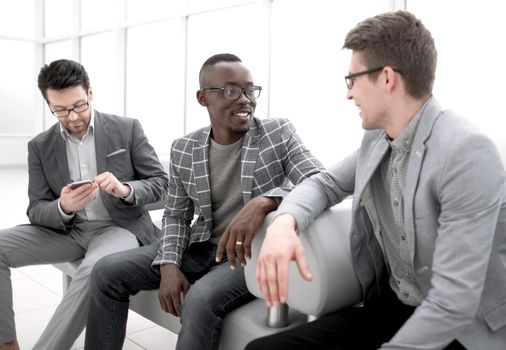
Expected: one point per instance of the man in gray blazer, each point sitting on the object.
(429, 212)
(100, 217)
(230, 174)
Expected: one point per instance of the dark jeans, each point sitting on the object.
(352, 328)
(215, 291)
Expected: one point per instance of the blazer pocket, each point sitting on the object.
(120, 164)
(119, 151)
(496, 317)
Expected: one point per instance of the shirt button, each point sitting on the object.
(83, 166)
(80, 143)
(396, 203)
(403, 237)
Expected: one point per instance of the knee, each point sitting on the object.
(106, 273)
(198, 303)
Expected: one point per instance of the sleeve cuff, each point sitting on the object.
(65, 217)
(131, 197)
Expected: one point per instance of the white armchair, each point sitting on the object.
(334, 285)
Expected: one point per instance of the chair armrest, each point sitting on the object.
(327, 247)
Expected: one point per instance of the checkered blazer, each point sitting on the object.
(273, 158)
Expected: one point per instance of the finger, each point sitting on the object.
(105, 184)
(171, 308)
(239, 250)
(163, 303)
(282, 282)
(301, 262)
(176, 301)
(272, 282)
(99, 178)
(186, 288)
(86, 196)
(231, 251)
(221, 246)
(248, 241)
(262, 282)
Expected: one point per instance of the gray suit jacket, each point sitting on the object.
(454, 205)
(138, 165)
(272, 159)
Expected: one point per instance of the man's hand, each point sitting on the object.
(110, 184)
(281, 245)
(240, 231)
(173, 288)
(72, 200)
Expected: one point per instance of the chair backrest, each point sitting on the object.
(327, 248)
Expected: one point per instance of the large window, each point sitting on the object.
(17, 87)
(471, 54)
(143, 59)
(58, 17)
(307, 71)
(155, 82)
(17, 18)
(98, 56)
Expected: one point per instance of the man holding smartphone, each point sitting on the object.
(90, 176)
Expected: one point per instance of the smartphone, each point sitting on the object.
(76, 184)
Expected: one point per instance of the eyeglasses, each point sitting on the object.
(233, 92)
(64, 113)
(350, 79)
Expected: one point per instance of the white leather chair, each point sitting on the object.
(334, 285)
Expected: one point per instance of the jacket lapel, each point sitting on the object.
(369, 163)
(201, 174)
(61, 156)
(426, 123)
(249, 154)
(101, 132)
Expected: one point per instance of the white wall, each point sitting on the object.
(143, 58)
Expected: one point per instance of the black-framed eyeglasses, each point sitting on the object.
(350, 79)
(233, 92)
(63, 113)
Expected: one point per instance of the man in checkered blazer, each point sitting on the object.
(230, 175)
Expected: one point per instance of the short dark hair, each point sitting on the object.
(62, 74)
(400, 40)
(211, 61)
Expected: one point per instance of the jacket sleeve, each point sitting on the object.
(298, 162)
(151, 181)
(177, 218)
(43, 202)
(319, 192)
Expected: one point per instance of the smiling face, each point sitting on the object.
(75, 123)
(367, 95)
(230, 119)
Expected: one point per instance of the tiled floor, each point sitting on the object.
(44, 282)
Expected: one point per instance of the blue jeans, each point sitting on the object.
(215, 291)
